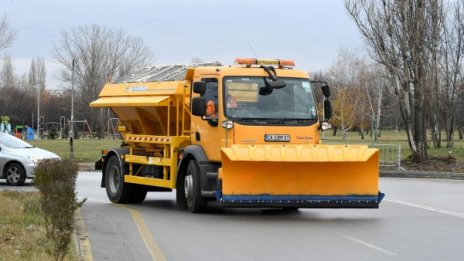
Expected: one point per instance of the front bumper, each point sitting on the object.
(29, 168)
(278, 201)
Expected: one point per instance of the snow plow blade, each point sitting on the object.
(307, 176)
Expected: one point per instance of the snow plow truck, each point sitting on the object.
(246, 135)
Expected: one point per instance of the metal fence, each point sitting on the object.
(389, 155)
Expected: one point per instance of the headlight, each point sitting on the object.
(34, 159)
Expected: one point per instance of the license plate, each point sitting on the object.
(277, 137)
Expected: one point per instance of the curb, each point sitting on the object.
(81, 238)
(86, 166)
(421, 174)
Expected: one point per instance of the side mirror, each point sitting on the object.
(199, 87)
(277, 84)
(271, 85)
(327, 109)
(325, 126)
(325, 90)
(198, 106)
(265, 90)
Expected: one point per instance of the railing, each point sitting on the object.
(389, 155)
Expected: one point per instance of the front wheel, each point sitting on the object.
(117, 190)
(140, 192)
(195, 202)
(15, 174)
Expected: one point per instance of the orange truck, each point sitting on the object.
(246, 135)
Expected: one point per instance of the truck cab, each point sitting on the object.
(246, 113)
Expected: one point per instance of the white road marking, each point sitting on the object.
(372, 246)
(424, 207)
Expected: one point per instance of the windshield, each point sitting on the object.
(293, 102)
(12, 142)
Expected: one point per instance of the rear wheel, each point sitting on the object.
(15, 174)
(192, 190)
(117, 190)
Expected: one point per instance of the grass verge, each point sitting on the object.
(84, 150)
(393, 137)
(22, 228)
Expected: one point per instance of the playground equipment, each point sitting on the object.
(84, 124)
(112, 128)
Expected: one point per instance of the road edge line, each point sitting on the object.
(82, 238)
(144, 232)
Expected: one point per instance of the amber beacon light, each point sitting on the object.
(253, 61)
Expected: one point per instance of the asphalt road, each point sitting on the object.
(418, 220)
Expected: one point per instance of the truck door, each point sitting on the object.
(206, 130)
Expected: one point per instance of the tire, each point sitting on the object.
(15, 174)
(139, 194)
(192, 190)
(116, 189)
(180, 193)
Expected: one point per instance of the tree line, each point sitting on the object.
(418, 44)
(89, 56)
(411, 80)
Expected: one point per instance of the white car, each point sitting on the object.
(18, 159)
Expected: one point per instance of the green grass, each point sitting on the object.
(84, 150)
(90, 150)
(22, 228)
(392, 137)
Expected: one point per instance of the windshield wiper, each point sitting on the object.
(262, 120)
(294, 121)
(275, 121)
(254, 120)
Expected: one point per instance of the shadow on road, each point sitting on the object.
(27, 187)
(169, 207)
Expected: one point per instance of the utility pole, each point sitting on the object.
(71, 132)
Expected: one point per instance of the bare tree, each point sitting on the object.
(396, 32)
(7, 35)
(451, 61)
(7, 76)
(15, 101)
(196, 59)
(373, 82)
(342, 76)
(460, 108)
(37, 76)
(7, 84)
(99, 54)
(434, 106)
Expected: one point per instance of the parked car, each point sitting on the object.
(18, 159)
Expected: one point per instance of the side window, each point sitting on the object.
(211, 97)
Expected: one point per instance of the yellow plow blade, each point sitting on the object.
(300, 176)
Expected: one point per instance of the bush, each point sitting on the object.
(65, 132)
(56, 181)
(53, 133)
(99, 134)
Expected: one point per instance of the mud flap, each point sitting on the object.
(319, 176)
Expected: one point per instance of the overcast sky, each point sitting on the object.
(308, 31)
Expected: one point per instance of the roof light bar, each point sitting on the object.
(253, 61)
